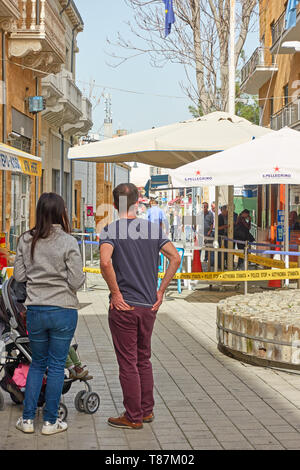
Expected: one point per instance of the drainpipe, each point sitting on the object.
(71, 188)
(37, 142)
(4, 126)
(62, 163)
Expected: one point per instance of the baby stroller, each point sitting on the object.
(15, 353)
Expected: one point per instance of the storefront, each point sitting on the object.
(20, 194)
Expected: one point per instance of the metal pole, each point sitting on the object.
(4, 126)
(62, 163)
(286, 231)
(216, 241)
(222, 255)
(230, 231)
(231, 102)
(231, 109)
(246, 268)
(84, 264)
(92, 257)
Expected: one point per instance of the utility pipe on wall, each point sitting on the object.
(4, 126)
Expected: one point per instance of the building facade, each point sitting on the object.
(273, 73)
(68, 114)
(38, 48)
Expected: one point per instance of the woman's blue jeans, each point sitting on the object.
(50, 330)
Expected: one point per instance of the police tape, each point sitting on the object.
(269, 262)
(229, 276)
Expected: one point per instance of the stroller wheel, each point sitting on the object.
(62, 411)
(78, 402)
(91, 402)
(1, 401)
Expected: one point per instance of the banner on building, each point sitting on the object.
(11, 161)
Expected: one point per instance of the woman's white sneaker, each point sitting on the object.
(25, 425)
(59, 426)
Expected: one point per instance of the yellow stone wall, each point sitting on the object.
(288, 64)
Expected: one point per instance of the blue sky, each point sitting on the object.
(134, 112)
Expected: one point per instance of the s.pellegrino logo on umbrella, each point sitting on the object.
(170, 17)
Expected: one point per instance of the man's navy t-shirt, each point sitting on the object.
(137, 243)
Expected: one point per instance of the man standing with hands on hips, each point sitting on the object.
(129, 258)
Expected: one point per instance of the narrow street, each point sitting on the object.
(204, 400)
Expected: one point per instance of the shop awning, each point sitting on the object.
(13, 159)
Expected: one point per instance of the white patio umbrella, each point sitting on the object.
(271, 159)
(174, 145)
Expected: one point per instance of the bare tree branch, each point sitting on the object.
(199, 41)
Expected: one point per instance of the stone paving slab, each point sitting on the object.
(204, 400)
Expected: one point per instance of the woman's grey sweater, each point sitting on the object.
(56, 272)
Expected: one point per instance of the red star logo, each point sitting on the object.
(198, 173)
(276, 168)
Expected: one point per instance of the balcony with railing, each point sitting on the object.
(87, 119)
(281, 35)
(9, 9)
(38, 36)
(289, 116)
(257, 71)
(65, 105)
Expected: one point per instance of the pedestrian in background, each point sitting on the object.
(49, 261)
(156, 215)
(242, 231)
(129, 257)
(223, 232)
(208, 220)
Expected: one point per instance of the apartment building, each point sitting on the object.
(19, 124)
(273, 73)
(38, 48)
(68, 114)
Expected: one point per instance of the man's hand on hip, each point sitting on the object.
(119, 303)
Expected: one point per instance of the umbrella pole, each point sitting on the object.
(216, 241)
(230, 230)
(286, 230)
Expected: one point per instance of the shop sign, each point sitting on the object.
(20, 164)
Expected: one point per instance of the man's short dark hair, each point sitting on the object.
(128, 190)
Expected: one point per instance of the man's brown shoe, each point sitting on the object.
(123, 423)
(149, 418)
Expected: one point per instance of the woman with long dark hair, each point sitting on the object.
(48, 260)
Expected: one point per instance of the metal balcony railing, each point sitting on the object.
(261, 57)
(287, 116)
(278, 28)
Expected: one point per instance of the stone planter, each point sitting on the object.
(261, 328)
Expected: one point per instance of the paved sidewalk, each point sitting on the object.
(204, 400)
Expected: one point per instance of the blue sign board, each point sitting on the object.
(280, 226)
(280, 233)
